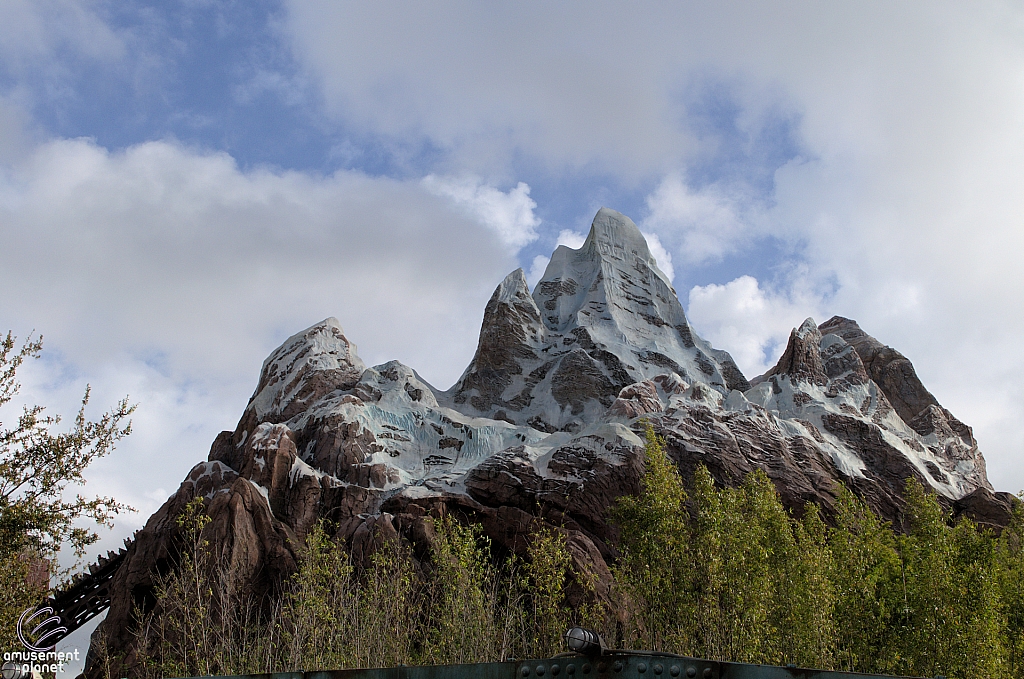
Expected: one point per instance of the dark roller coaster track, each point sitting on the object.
(87, 595)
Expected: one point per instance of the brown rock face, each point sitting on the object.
(578, 379)
(916, 406)
(992, 510)
(636, 400)
(510, 332)
(544, 429)
(802, 358)
(888, 368)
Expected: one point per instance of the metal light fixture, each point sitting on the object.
(13, 670)
(584, 641)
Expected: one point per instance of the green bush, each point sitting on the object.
(733, 576)
(720, 573)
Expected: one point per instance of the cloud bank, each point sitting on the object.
(169, 274)
(784, 160)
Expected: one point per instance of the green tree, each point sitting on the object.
(1010, 557)
(317, 606)
(868, 578)
(462, 618)
(810, 631)
(548, 569)
(950, 621)
(652, 572)
(736, 579)
(185, 622)
(755, 590)
(37, 465)
(388, 617)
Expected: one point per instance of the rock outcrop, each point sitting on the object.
(602, 318)
(542, 427)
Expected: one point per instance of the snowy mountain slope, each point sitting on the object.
(544, 428)
(601, 318)
(822, 380)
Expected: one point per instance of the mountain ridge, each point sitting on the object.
(544, 428)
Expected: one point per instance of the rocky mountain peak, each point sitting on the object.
(514, 290)
(808, 327)
(890, 369)
(544, 428)
(916, 406)
(602, 317)
(306, 366)
(510, 337)
(615, 236)
(801, 361)
(611, 278)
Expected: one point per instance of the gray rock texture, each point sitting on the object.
(542, 428)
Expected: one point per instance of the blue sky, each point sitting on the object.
(185, 184)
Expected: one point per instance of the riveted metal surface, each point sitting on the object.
(620, 665)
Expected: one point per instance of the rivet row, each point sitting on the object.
(618, 666)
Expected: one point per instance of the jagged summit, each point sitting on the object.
(306, 366)
(602, 317)
(801, 359)
(847, 390)
(513, 288)
(614, 235)
(611, 277)
(890, 369)
(544, 429)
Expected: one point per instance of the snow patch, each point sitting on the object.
(736, 401)
(264, 492)
(301, 469)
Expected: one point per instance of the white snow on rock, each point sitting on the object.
(600, 343)
(264, 492)
(306, 364)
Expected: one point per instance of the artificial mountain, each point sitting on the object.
(544, 428)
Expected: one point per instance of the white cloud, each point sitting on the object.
(751, 323)
(661, 255)
(33, 32)
(169, 275)
(706, 223)
(571, 239)
(536, 272)
(158, 237)
(462, 77)
(510, 215)
(603, 87)
(15, 132)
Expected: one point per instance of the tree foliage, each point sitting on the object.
(721, 573)
(37, 465)
(463, 604)
(727, 573)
